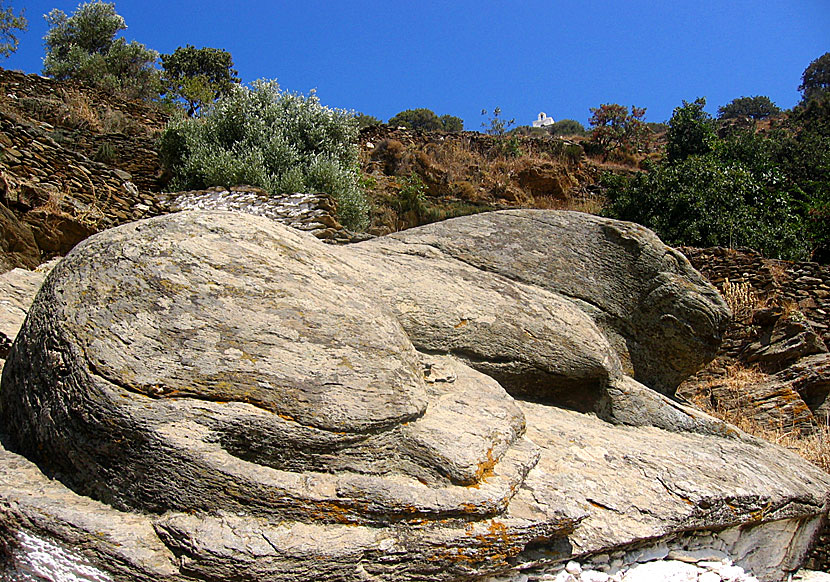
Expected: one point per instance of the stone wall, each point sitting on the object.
(90, 122)
(805, 284)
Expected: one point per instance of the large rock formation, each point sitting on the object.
(662, 318)
(208, 395)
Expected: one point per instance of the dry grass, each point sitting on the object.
(78, 111)
(741, 299)
(734, 406)
(61, 204)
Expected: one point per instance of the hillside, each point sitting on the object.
(76, 161)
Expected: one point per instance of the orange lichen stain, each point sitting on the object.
(462, 323)
(485, 468)
(469, 508)
(333, 513)
(286, 417)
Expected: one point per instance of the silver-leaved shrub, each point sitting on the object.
(280, 141)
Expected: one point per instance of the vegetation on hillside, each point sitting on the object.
(740, 185)
(755, 177)
(197, 76)
(426, 120)
(758, 107)
(84, 47)
(280, 141)
(615, 129)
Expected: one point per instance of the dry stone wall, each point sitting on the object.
(806, 284)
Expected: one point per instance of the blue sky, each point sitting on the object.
(457, 58)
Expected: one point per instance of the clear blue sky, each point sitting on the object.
(561, 57)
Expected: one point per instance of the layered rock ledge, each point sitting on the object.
(210, 395)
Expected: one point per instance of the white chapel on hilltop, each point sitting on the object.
(543, 120)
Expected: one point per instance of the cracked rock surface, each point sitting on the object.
(210, 395)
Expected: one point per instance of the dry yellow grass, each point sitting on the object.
(734, 409)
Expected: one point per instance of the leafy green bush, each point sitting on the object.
(364, 121)
(451, 123)
(769, 191)
(423, 119)
(691, 131)
(426, 120)
(567, 127)
(702, 201)
(282, 142)
(758, 107)
(412, 197)
(198, 76)
(84, 47)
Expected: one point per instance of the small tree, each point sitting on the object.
(496, 125)
(423, 119)
(815, 81)
(615, 129)
(84, 47)
(9, 23)
(451, 123)
(363, 120)
(691, 131)
(758, 107)
(567, 127)
(198, 76)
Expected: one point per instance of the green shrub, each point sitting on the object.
(758, 107)
(691, 131)
(451, 123)
(364, 121)
(105, 153)
(703, 201)
(282, 142)
(84, 47)
(567, 127)
(412, 197)
(423, 119)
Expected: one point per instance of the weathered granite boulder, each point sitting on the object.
(208, 395)
(662, 318)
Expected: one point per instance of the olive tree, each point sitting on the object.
(84, 47)
(282, 142)
(198, 76)
(10, 24)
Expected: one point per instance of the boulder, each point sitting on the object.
(781, 341)
(662, 317)
(208, 395)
